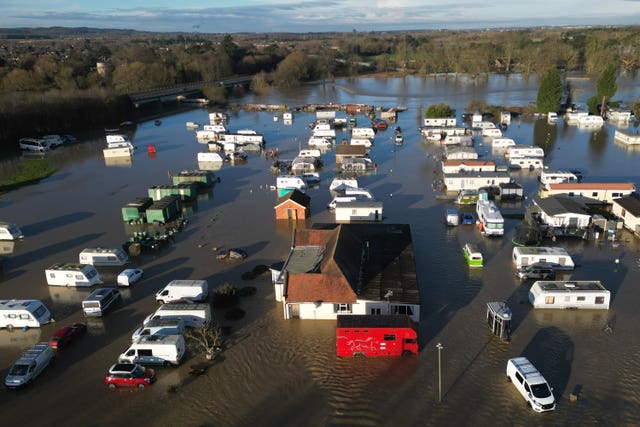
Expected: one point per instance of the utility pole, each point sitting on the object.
(439, 347)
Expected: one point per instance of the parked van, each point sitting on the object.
(103, 256)
(531, 384)
(100, 301)
(10, 231)
(160, 326)
(29, 366)
(193, 315)
(155, 349)
(194, 290)
(33, 144)
(68, 274)
(53, 140)
(19, 313)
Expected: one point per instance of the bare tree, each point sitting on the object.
(208, 337)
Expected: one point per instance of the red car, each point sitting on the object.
(380, 124)
(129, 375)
(63, 337)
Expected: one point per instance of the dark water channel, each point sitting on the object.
(278, 372)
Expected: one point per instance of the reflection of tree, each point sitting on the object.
(598, 140)
(545, 135)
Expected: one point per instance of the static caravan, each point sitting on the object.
(119, 141)
(340, 184)
(491, 220)
(72, 275)
(524, 151)
(10, 231)
(319, 141)
(116, 152)
(324, 133)
(483, 125)
(555, 177)
(363, 132)
(290, 181)
(502, 143)
(103, 256)
(28, 313)
(590, 121)
(525, 163)
(581, 294)
(211, 157)
(361, 141)
(492, 132)
(440, 121)
(559, 257)
(310, 152)
(466, 140)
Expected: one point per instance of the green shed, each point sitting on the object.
(201, 177)
(165, 209)
(185, 190)
(134, 211)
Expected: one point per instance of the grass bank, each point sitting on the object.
(30, 172)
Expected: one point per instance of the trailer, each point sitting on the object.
(72, 275)
(559, 258)
(376, 335)
(581, 294)
(185, 190)
(202, 178)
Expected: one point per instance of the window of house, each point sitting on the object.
(375, 311)
(594, 194)
(342, 308)
(403, 309)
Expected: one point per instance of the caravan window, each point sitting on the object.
(599, 300)
(549, 300)
(79, 277)
(39, 312)
(25, 316)
(91, 273)
(403, 309)
(52, 275)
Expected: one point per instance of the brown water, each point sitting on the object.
(277, 372)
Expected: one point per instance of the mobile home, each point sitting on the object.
(502, 143)
(103, 256)
(23, 313)
(555, 177)
(559, 257)
(492, 132)
(72, 275)
(581, 294)
(10, 231)
(290, 181)
(491, 220)
(525, 163)
(524, 151)
(440, 121)
(363, 132)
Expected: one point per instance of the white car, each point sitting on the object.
(129, 276)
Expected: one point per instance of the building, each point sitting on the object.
(358, 210)
(475, 180)
(337, 269)
(456, 152)
(601, 191)
(628, 208)
(562, 212)
(456, 166)
(293, 205)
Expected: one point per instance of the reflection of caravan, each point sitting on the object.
(569, 295)
(103, 256)
(525, 163)
(28, 313)
(523, 256)
(69, 274)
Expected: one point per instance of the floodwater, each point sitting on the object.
(277, 372)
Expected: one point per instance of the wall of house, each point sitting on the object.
(630, 221)
(602, 195)
(347, 213)
(327, 311)
(298, 212)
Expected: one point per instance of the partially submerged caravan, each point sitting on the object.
(524, 151)
(28, 313)
(590, 294)
(72, 275)
(556, 177)
(10, 231)
(103, 256)
(559, 258)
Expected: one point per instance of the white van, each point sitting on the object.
(193, 315)
(69, 274)
(10, 231)
(103, 256)
(155, 349)
(160, 326)
(531, 384)
(363, 132)
(193, 290)
(29, 366)
(99, 301)
(28, 313)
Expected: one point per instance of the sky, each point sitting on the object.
(301, 16)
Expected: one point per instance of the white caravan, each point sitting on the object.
(524, 151)
(72, 275)
(523, 256)
(28, 313)
(490, 218)
(290, 181)
(590, 294)
(10, 231)
(103, 256)
(363, 132)
(556, 177)
(525, 163)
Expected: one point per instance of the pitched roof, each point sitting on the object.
(560, 205)
(359, 261)
(629, 203)
(563, 186)
(348, 149)
(295, 196)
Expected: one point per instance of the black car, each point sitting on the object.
(538, 270)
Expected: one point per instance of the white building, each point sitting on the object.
(474, 180)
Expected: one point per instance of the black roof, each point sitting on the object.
(560, 205)
(630, 203)
(296, 196)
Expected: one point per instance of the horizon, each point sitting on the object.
(312, 16)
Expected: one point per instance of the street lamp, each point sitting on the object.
(388, 295)
(439, 347)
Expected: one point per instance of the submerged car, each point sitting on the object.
(130, 276)
(231, 254)
(129, 375)
(537, 270)
(64, 336)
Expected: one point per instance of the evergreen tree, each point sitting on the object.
(549, 92)
(438, 110)
(606, 86)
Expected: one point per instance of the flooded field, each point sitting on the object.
(285, 372)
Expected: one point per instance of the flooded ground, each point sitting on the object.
(278, 372)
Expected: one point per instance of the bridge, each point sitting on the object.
(172, 93)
